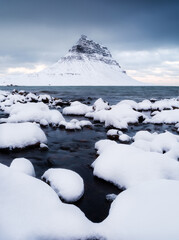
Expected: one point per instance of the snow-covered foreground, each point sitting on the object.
(66, 183)
(144, 164)
(126, 166)
(30, 209)
(20, 135)
(147, 211)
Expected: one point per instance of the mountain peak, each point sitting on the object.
(89, 47)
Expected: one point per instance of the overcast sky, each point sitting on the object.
(142, 35)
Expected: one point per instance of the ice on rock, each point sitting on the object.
(126, 165)
(20, 135)
(23, 165)
(167, 143)
(30, 209)
(148, 211)
(77, 108)
(32, 112)
(67, 184)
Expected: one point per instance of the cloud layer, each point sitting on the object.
(142, 35)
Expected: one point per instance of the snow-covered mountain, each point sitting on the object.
(86, 63)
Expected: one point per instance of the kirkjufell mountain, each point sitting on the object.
(87, 63)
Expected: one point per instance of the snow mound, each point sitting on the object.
(145, 212)
(67, 184)
(77, 108)
(100, 104)
(23, 165)
(126, 166)
(124, 138)
(153, 105)
(75, 124)
(30, 209)
(32, 112)
(119, 116)
(166, 116)
(20, 135)
(166, 143)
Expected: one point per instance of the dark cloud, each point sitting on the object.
(43, 30)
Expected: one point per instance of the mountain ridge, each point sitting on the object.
(87, 63)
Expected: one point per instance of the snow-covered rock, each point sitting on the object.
(86, 63)
(23, 165)
(20, 135)
(166, 116)
(67, 184)
(30, 209)
(32, 112)
(114, 134)
(126, 166)
(124, 138)
(119, 116)
(148, 211)
(111, 197)
(100, 104)
(77, 108)
(166, 143)
(75, 124)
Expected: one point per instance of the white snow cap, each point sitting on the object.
(167, 143)
(23, 165)
(87, 63)
(166, 116)
(119, 116)
(100, 104)
(75, 124)
(77, 108)
(30, 209)
(145, 212)
(20, 135)
(126, 166)
(66, 183)
(32, 112)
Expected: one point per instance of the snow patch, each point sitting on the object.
(66, 183)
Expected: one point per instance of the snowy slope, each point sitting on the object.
(87, 63)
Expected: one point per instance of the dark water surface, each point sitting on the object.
(75, 150)
(108, 93)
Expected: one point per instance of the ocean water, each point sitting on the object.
(75, 150)
(109, 93)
